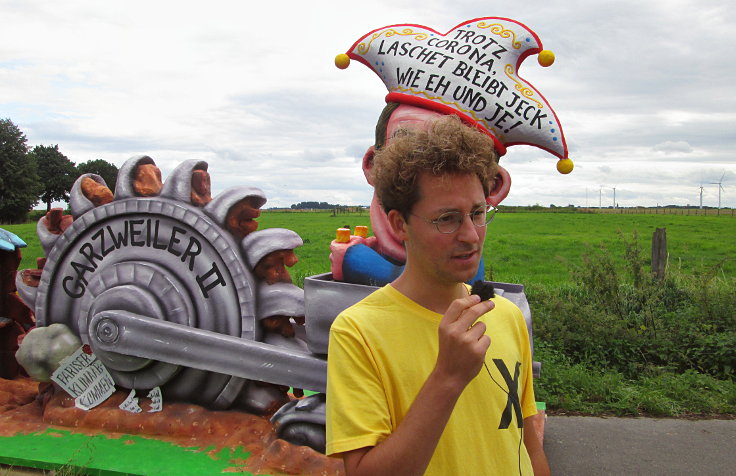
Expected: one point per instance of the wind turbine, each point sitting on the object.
(720, 187)
(701, 196)
(614, 197)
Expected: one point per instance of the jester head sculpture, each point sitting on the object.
(472, 72)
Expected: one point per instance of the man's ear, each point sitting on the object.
(501, 187)
(368, 164)
(398, 224)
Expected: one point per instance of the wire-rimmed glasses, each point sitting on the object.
(449, 222)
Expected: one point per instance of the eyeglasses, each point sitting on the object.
(449, 222)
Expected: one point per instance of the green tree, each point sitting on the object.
(56, 171)
(103, 168)
(19, 182)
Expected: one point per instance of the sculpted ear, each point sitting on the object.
(501, 187)
(368, 164)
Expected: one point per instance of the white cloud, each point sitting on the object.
(672, 147)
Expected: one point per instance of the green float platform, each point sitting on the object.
(75, 453)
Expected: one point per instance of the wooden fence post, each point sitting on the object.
(659, 253)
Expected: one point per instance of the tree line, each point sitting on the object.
(42, 173)
(313, 206)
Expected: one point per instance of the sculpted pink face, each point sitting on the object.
(406, 117)
(409, 117)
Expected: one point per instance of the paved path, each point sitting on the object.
(612, 446)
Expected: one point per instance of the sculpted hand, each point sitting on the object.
(337, 255)
(462, 340)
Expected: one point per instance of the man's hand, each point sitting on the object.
(462, 340)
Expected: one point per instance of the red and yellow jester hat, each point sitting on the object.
(470, 71)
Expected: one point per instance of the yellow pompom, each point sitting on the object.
(546, 58)
(565, 166)
(342, 61)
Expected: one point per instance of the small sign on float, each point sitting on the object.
(84, 377)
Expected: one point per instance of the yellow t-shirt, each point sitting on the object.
(381, 352)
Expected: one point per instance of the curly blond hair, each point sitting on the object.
(447, 146)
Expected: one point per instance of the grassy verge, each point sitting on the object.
(616, 341)
(576, 388)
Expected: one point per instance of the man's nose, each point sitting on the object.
(468, 232)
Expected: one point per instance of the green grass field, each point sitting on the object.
(539, 248)
(527, 248)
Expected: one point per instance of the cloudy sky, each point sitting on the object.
(643, 89)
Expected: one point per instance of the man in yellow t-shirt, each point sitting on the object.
(424, 378)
